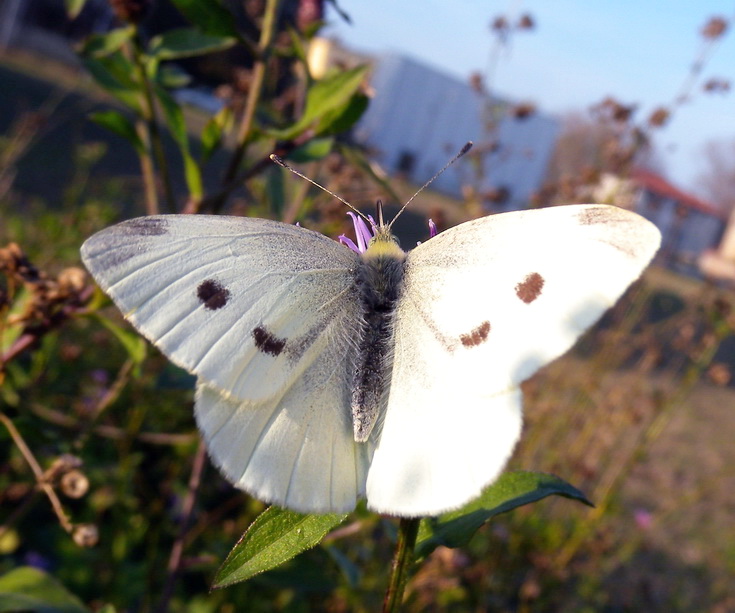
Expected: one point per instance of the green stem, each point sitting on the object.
(408, 530)
(151, 122)
(256, 87)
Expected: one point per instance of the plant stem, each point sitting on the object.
(177, 551)
(256, 87)
(148, 108)
(37, 472)
(408, 530)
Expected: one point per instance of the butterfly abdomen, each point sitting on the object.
(379, 281)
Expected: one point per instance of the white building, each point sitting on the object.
(419, 117)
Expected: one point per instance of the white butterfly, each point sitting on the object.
(327, 375)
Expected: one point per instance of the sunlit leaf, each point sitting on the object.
(323, 97)
(341, 119)
(100, 45)
(31, 589)
(276, 536)
(315, 149)
(510, 491)
(214, 131)
(74, 7)
(187, 42)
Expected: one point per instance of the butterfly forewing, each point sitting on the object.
(237, 301)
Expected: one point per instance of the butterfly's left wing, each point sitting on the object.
(484, 305)
(265, 315)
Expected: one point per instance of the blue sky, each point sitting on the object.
(581, 51)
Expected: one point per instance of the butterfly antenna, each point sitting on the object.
(462, 151)
(283, 164)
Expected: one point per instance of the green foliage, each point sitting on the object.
(187, 42)
(276, 536)
(327, 102)
(510, 491)
(211, 18)
(117, 122)
(31, 589)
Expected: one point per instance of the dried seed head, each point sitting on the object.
(309, 13)
(523, 110)
(499, 24)
(86, 535)
(74, 484)
(719, 374)
(659, 117)
(526, 22)
(72, 279)
(130, 11)
(715, 85)
(714, 28)
(62, 465)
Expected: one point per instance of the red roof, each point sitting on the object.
(658, 185)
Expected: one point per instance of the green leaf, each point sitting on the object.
(315, 149)
(213, 132)
(511, 490)
(118, 123)
(170, 76)
(30, 589)
(134, 344)
(276, 536)
(323, 97)
(74, 7)
(101, 45)
(187, 42)
(10, 332)
(210, 17)
(177, 125)
(114, 74)
(343, 118)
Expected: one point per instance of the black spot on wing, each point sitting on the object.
(530, 288)
(213, 295)
(267, 342)
(145, 226)
(477, 336)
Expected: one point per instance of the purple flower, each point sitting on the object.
(643, 518)
(433, 231)
(364, 233)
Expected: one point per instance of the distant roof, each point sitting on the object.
(658, 185)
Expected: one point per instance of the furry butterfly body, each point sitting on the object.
(326, 375)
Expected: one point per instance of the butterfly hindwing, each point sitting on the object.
(483, 306)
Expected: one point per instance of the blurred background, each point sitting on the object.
(117, 108)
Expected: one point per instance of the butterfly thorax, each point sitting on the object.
(379, 280)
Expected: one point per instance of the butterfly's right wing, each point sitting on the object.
(265, 315)
(483, 306)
